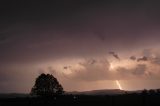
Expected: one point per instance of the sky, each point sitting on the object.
(85, 44)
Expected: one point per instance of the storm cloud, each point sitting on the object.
(101, 70)
(133, 58)
(114, 55)
(35, 35)
(144, 58)
(92, 72)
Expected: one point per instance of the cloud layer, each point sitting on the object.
(34, 36)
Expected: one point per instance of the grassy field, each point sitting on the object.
(84, 100)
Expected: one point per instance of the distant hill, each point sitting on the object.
(100, 92)
(92, 92)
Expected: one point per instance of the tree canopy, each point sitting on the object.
(47, 85)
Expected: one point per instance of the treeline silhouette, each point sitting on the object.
(48, 92)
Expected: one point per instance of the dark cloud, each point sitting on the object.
(151, 55)
(133, 58)
(92, 61)
(40, 32)
(67, 67)
(114, 55)
(144, 58)
(71, 29)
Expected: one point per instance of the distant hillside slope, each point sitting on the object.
(100, 92)
(92, 92)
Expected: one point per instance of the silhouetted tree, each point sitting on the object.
(144, 92)
(152, 92)
(47, 85)
(158, 91)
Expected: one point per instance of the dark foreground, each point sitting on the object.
(82, 100)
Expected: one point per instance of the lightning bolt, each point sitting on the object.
(118, 84)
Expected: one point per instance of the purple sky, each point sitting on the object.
(86, 45)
